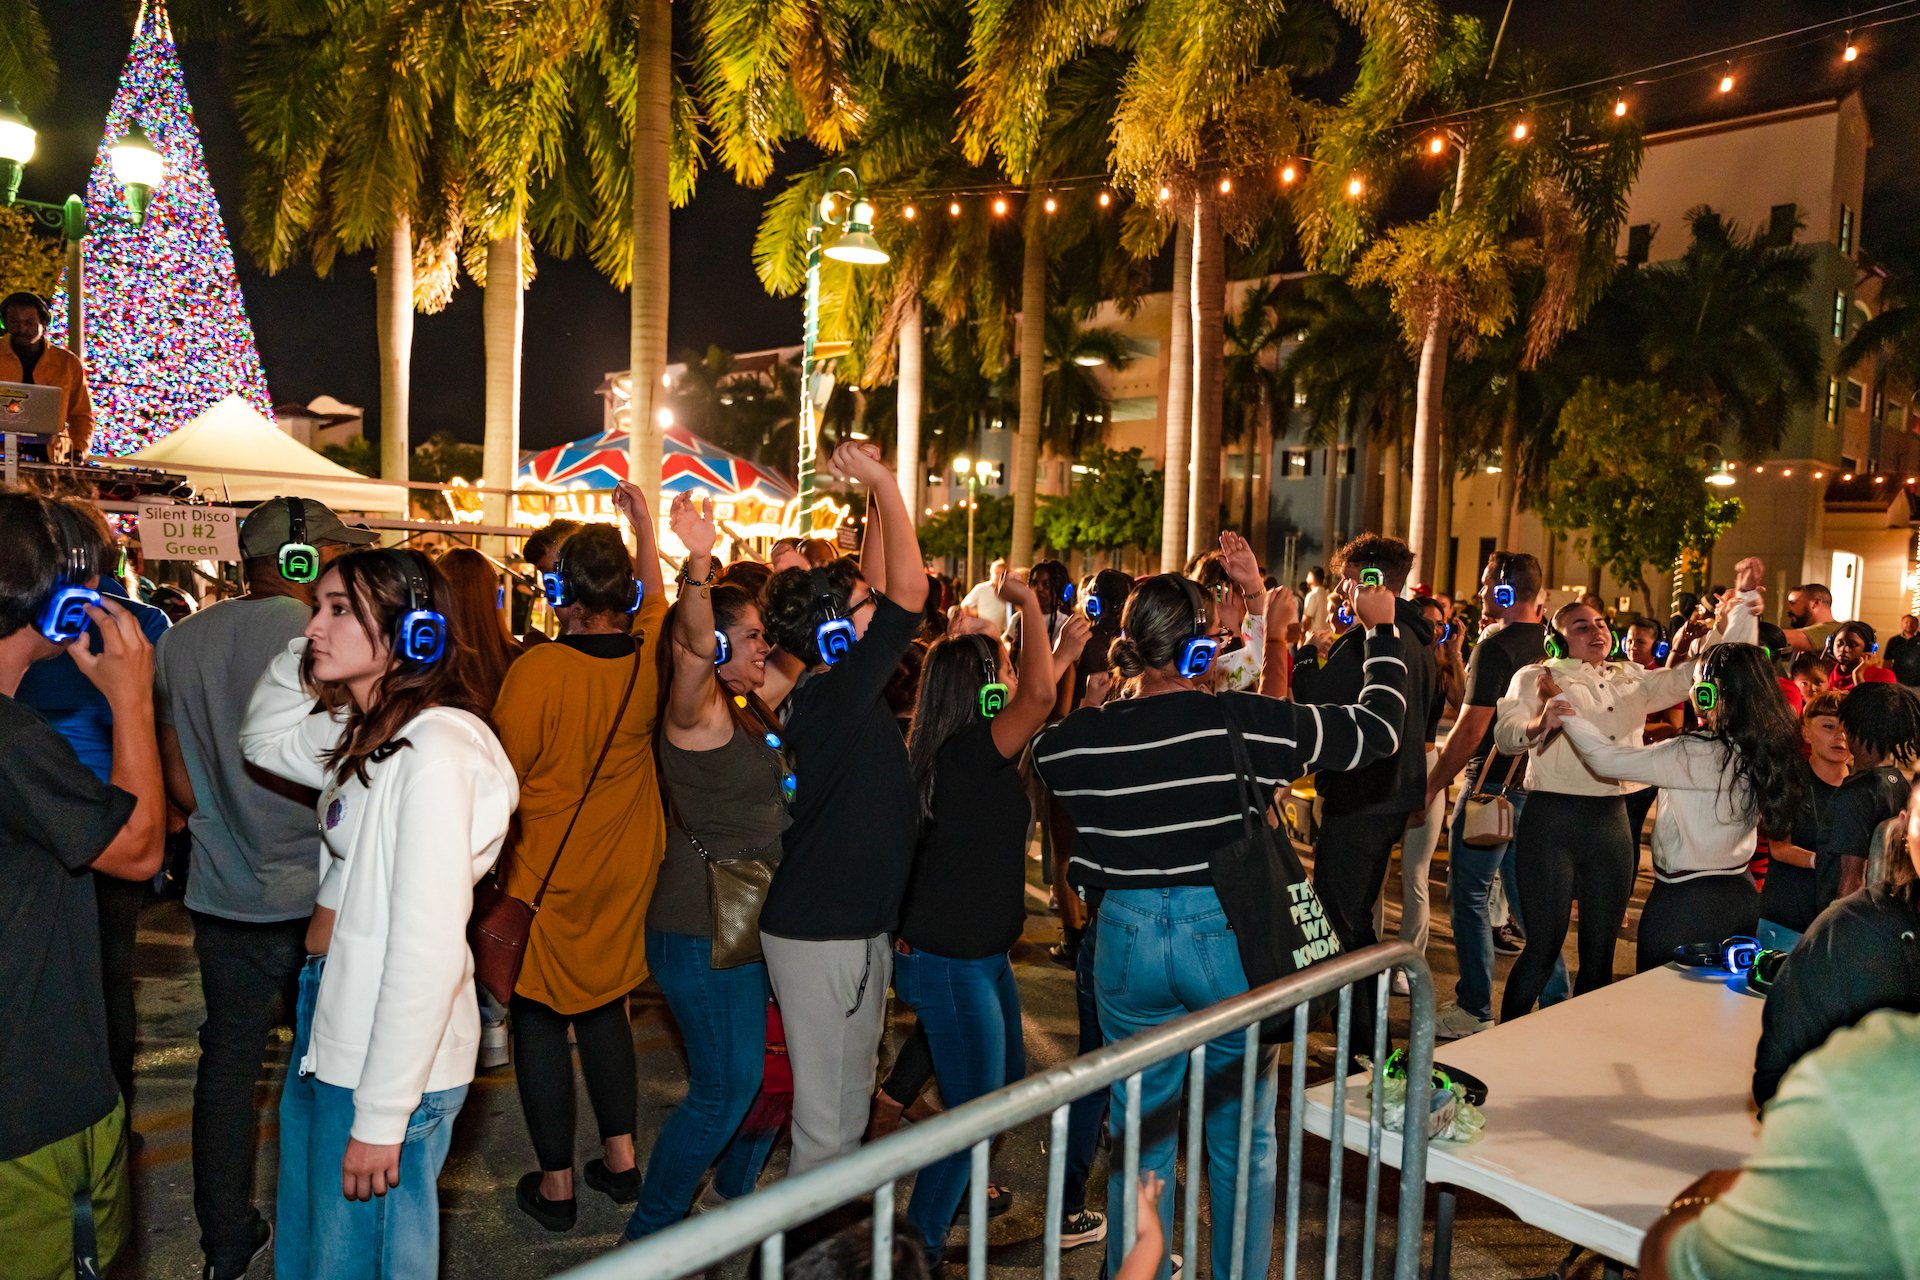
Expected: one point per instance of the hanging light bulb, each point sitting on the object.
(1436, 144)
(1355, 186)
(953, 209)
(1000, 206)
(1051, 204)
(1847, 477)
(1288, 173)
(1166, 194)
(1619, 108)
(1226, 185)
(1852, 52)
(1726, 80)
(1105, 199)
(1520, 131)
(1787, 472)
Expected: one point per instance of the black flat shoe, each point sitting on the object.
(554, 1215)
(621, 1188)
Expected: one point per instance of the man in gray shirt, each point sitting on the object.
(256, 850)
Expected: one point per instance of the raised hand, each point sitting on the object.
(1099, 684)
(1072, 641)
(123, 669)
(1748, 574)
(1241, 565)
(859, 461)
(1373, 606)
(1548, 686)
(1014, 591)
(630, 500)
(693, 525)
(1283, 609)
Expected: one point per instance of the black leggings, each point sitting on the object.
(1569, 848)
(545, 1068)
(1704, 909)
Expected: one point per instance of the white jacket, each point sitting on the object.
(396, 1015)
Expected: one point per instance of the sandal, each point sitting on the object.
(999, 1200)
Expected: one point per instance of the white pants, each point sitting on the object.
(833, 1001)
(1416, 859)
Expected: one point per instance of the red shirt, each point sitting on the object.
(1862, 674)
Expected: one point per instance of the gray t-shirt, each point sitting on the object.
(256, 845)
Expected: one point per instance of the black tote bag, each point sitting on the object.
(1271, 907)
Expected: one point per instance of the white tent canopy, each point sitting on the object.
(219, 450)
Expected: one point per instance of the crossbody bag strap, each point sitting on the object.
(1247, 784)
(1486, 768)
(632, 675)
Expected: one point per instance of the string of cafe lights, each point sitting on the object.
(1726, 66)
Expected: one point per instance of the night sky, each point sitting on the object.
(317, 336)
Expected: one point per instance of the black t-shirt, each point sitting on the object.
(56, 817)
(850, 848)
(1902, 655)
(967, 899)
(1862, 954)
(1791, 895)
(1490, 671)
(1859, 804)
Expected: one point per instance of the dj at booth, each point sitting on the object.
(28, 359)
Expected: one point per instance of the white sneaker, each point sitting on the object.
(1400, 987)
(493, 1046)
(1453, 1023)
(1085, 1227)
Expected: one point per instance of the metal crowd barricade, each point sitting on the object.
(764, 1217)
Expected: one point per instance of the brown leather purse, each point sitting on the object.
(501, 924)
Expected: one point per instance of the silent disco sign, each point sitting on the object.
(178, 531)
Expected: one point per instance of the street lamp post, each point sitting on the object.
(977, 473)
(856, 245)
(138, 167)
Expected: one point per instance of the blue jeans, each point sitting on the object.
(1164, 953)
(1470, 874)
(319, 1233)
(722, 1014)
(971, 1010)
(1087, 1115)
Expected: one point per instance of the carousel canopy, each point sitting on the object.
(689, 464)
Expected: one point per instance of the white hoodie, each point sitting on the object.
(396, 1015)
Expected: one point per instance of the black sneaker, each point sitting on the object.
(236, 1268)
(1084, 1227)
(554, 1215)
(1509, 941)
(621, 1188)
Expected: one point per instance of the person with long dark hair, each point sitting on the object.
(966, 901)
(1572, 838)
(476, 612)
(415, 797)
(1737, 775)
(1150, 782)
(725, 778)
(577, 718)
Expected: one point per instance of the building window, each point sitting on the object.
(1781, 221)
(1846, 230)
(1487, 547)
(1833, 401)
(1839, 313)
(1856, 394)
(1639, 244)
(1296, 462)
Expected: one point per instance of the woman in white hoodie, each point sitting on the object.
(378, 708)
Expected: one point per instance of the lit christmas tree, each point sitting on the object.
(166, 328)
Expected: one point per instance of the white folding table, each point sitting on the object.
(1599, 1110)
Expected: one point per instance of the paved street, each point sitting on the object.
(486, 1236)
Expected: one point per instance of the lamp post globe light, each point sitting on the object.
(845, 209)
(138, 167)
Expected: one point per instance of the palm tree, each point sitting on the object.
(26, 55)
(1892, 337)
(1551, 195)
(1076, 408)
(1251, 393)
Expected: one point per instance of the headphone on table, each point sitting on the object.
(558, 588)
(1766, 970)
(833, 636)
(299, 560)
(1444, 1077)
(1736, 954)
(63, 619)
(1197, 651)
(993, 694)
(421, 635)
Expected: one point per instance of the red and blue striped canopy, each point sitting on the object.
(688, 464)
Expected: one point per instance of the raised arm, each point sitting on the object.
(905, 582)
(873, 545)
(1736, 621)
(631, 502)
(1283, 610)
(1678, 764)
(1337, 736)
(282, 732)
(696, 686)
(123, 672)
(1015, 726)
(1244, 569)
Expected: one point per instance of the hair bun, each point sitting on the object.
(1124, 656)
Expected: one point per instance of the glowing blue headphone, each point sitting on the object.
(557, 586)
(63, 619)
(421, 635)
(833, 635)
(1735, 955)
(1066, 595)
(722, 648)
(1197, 651)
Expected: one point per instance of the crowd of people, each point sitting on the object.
(788, 790)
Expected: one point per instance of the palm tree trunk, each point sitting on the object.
(1443, 570)
(1392, 467)
(393, 318)
(1330, 501)
(1249, 435)
(1173, 509)
(1510, 473)
(908, 463)
(647, 304)
(1263, 490)
(1209, 353)
(503, 314)
(1033, 375)
(1423, 523)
